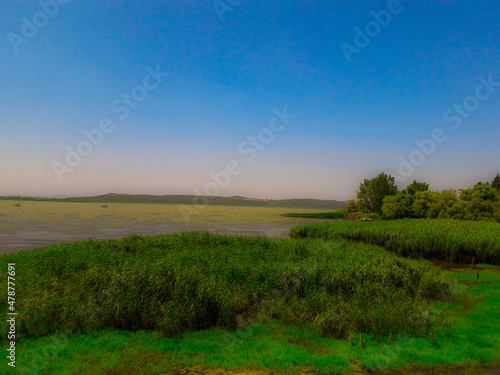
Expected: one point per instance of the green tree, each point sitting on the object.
(391, 209)
(416, 186)
(426, 204)
(350, 206)
(460, 210)
(496, 211)
(372, 192)
(466, 195)
(446, 201)
(478, 203)
(408, 197)
(484, 192)
(496, 182)
(401, 205)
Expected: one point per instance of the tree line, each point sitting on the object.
(380, 197)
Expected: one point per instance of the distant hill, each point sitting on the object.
(188, 199)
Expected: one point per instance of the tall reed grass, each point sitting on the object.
(195, 281)
(442, 239)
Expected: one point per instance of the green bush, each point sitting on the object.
(359, 216)
(479, 203)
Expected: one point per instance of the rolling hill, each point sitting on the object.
(188, 199)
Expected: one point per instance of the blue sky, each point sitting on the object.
(226, 74)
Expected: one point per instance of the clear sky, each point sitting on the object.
(360, 82)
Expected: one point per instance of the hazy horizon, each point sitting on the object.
(152, 98)
(89, 196)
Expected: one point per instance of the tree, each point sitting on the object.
(496, 182)
(484, 192)
(350, 206)
(391, 209)
(426, 204)
(479, 203)
(401, 205)
(415, 187)
(408, 197)
(496, 211)
(372, 192)
(447, 200)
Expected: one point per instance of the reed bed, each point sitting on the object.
(448, 240)
(196, 281)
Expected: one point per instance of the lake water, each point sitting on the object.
(39, 224)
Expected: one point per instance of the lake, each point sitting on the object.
(38, 224)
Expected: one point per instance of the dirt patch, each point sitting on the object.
(476, 282)
(207, 371)
(311, 347)
(454, 266)
(200, 370)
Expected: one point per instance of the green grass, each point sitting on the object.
(470, 343)
(449, 240)
(238, 305)
(320, 215)
(195, 281)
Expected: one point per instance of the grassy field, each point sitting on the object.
(444, 239)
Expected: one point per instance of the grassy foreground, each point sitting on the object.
(457, 241)
(195, 281)
(263, 347)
